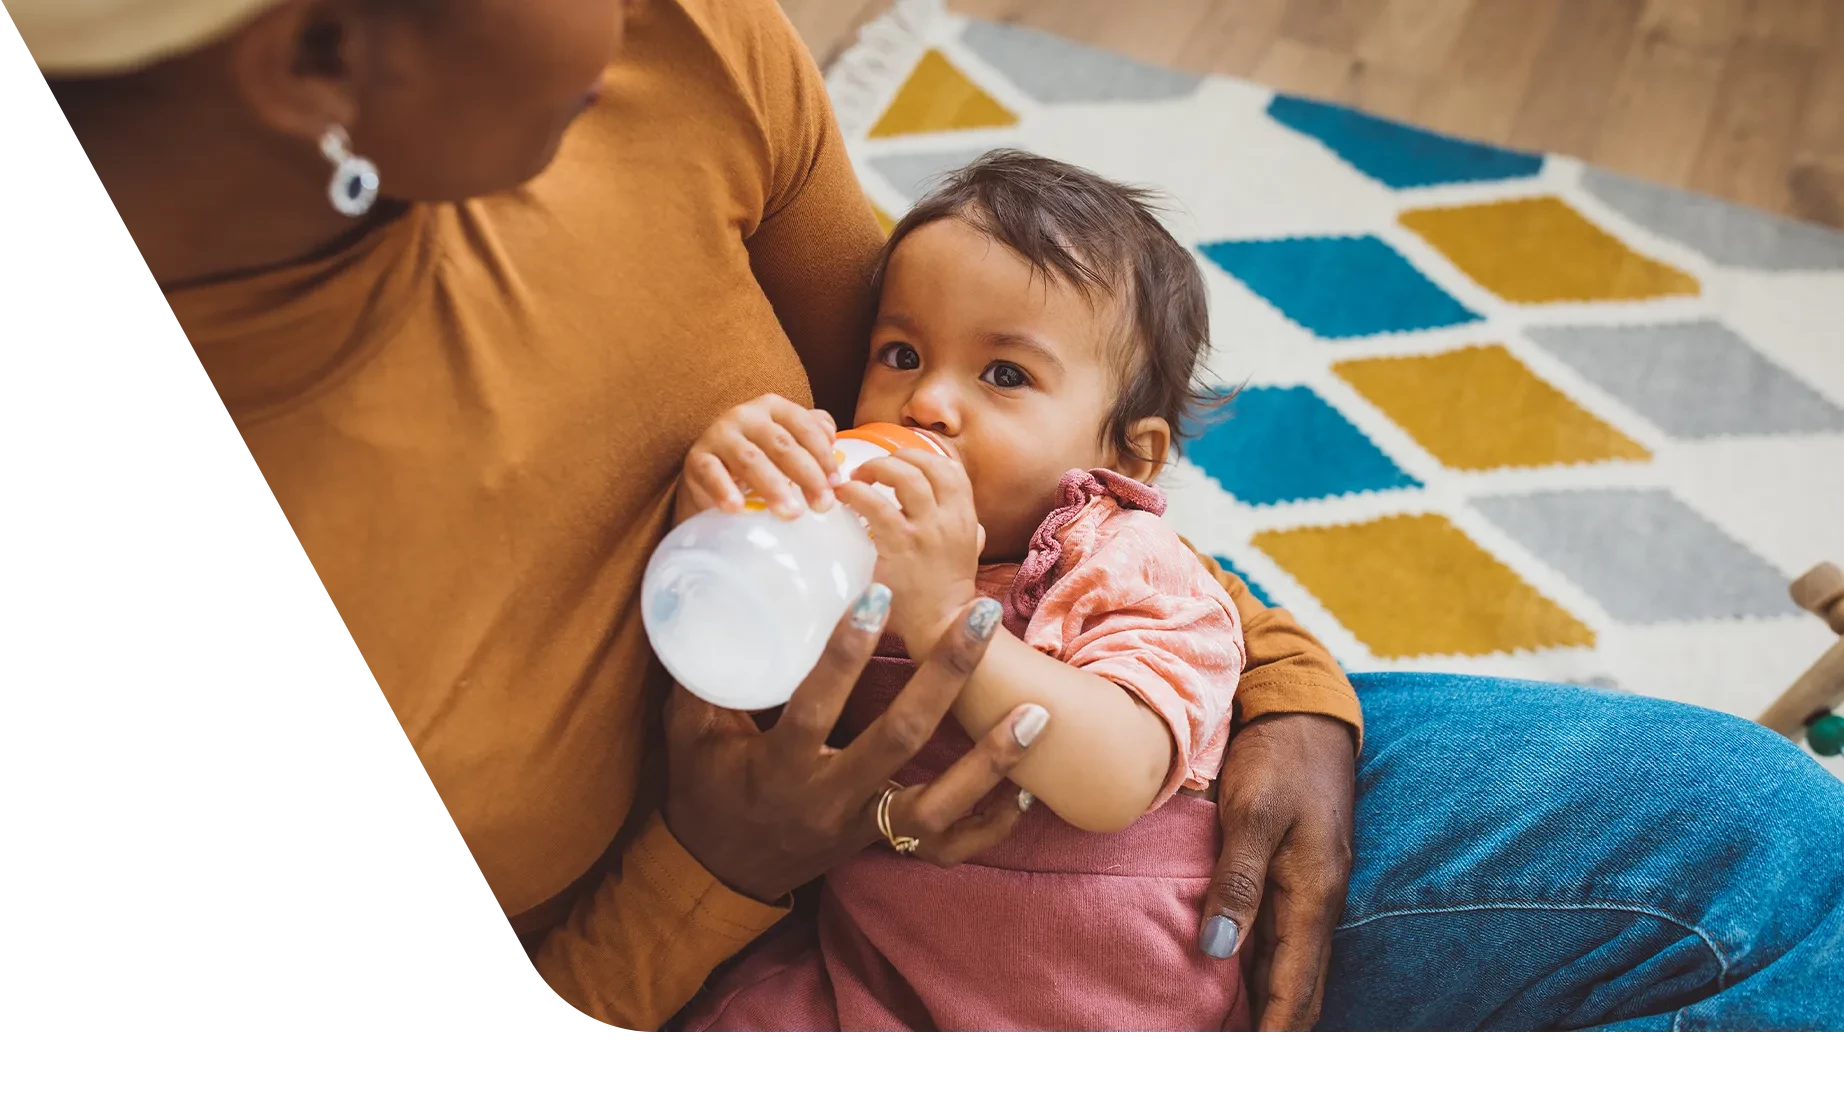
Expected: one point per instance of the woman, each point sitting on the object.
(469, 294)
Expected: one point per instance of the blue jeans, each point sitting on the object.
(1532, 856)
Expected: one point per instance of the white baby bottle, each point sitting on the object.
(739, 606)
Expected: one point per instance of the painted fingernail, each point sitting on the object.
(1025, 799)
(872, 607)
(1029, 725)
(1218, 938)
(984, 618)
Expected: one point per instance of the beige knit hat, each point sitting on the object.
(75, 38)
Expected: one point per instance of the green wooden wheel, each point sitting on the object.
(1826, 736)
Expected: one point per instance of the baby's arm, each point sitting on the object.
(1104, 755)
(1138, 616)
(1117, 685)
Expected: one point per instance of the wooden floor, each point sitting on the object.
(1742, 99)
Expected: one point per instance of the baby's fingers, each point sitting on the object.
(708, 483)
(884, 517)
(762, 461)
(909, 482)
(800, 442)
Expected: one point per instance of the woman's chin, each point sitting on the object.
(534, 167)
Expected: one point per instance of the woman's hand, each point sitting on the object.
(766, 811)
(1285, 796)
(770, 446)
(928, 542)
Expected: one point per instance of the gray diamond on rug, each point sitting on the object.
(1727, 234)
(1645, 556)
(1056, 71)
(1692, 379)
(915, 174)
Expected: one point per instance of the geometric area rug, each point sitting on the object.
(1499, 412)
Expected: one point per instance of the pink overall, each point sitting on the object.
(1057, 928)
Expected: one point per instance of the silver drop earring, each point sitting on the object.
(354, 188)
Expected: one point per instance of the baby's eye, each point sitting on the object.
(900, 356)
(1005, 376)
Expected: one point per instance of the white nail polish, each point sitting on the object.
(1030, 724)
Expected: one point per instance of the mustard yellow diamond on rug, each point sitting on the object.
(1417, 586)
(938, 97)
(1479, 408)
(1538, 249)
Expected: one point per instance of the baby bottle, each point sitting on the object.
(739, 606)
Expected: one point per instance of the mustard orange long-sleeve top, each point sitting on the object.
(474, 419)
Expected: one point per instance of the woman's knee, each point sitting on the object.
(1586, 792)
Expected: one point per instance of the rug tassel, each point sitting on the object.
(863, 79)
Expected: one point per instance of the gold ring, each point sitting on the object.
(897, 843)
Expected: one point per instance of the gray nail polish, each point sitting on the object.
(1025, 799)
(984, 618)
(1029, 725)
(1218, 938)
(872, 607)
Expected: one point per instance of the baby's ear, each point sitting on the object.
(1150, 439)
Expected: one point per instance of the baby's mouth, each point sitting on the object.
(937, 441)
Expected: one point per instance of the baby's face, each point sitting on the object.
(1009, 370)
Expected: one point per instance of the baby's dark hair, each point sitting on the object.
(1102, 238)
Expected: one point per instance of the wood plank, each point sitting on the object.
(1749, 144)
(1232, 38)
(1155, 31)
(1821, 121)
(1382, 90)
(1414, 37)
(1334, 25)
(1575, 75)
(1479, 91)
(1815, 192)
(1796, 23)
(1695, 25)
(1815, 182)
(1310, 71)
(1004, 11)
(1740, 98)
(1654, 122)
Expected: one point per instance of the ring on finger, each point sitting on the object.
(899, 843)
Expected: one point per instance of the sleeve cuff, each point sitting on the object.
(700, 896)
(1256, 700)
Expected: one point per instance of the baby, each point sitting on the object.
(1044, 328)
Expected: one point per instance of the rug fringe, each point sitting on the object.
(864, 77)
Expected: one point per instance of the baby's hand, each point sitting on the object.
(928, 548)
(771, 446)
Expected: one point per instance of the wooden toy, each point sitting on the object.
(1808, 706)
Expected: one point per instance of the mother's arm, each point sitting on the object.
(818, 240)
(638, 945)
(1288, 671)
(1285, 796)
